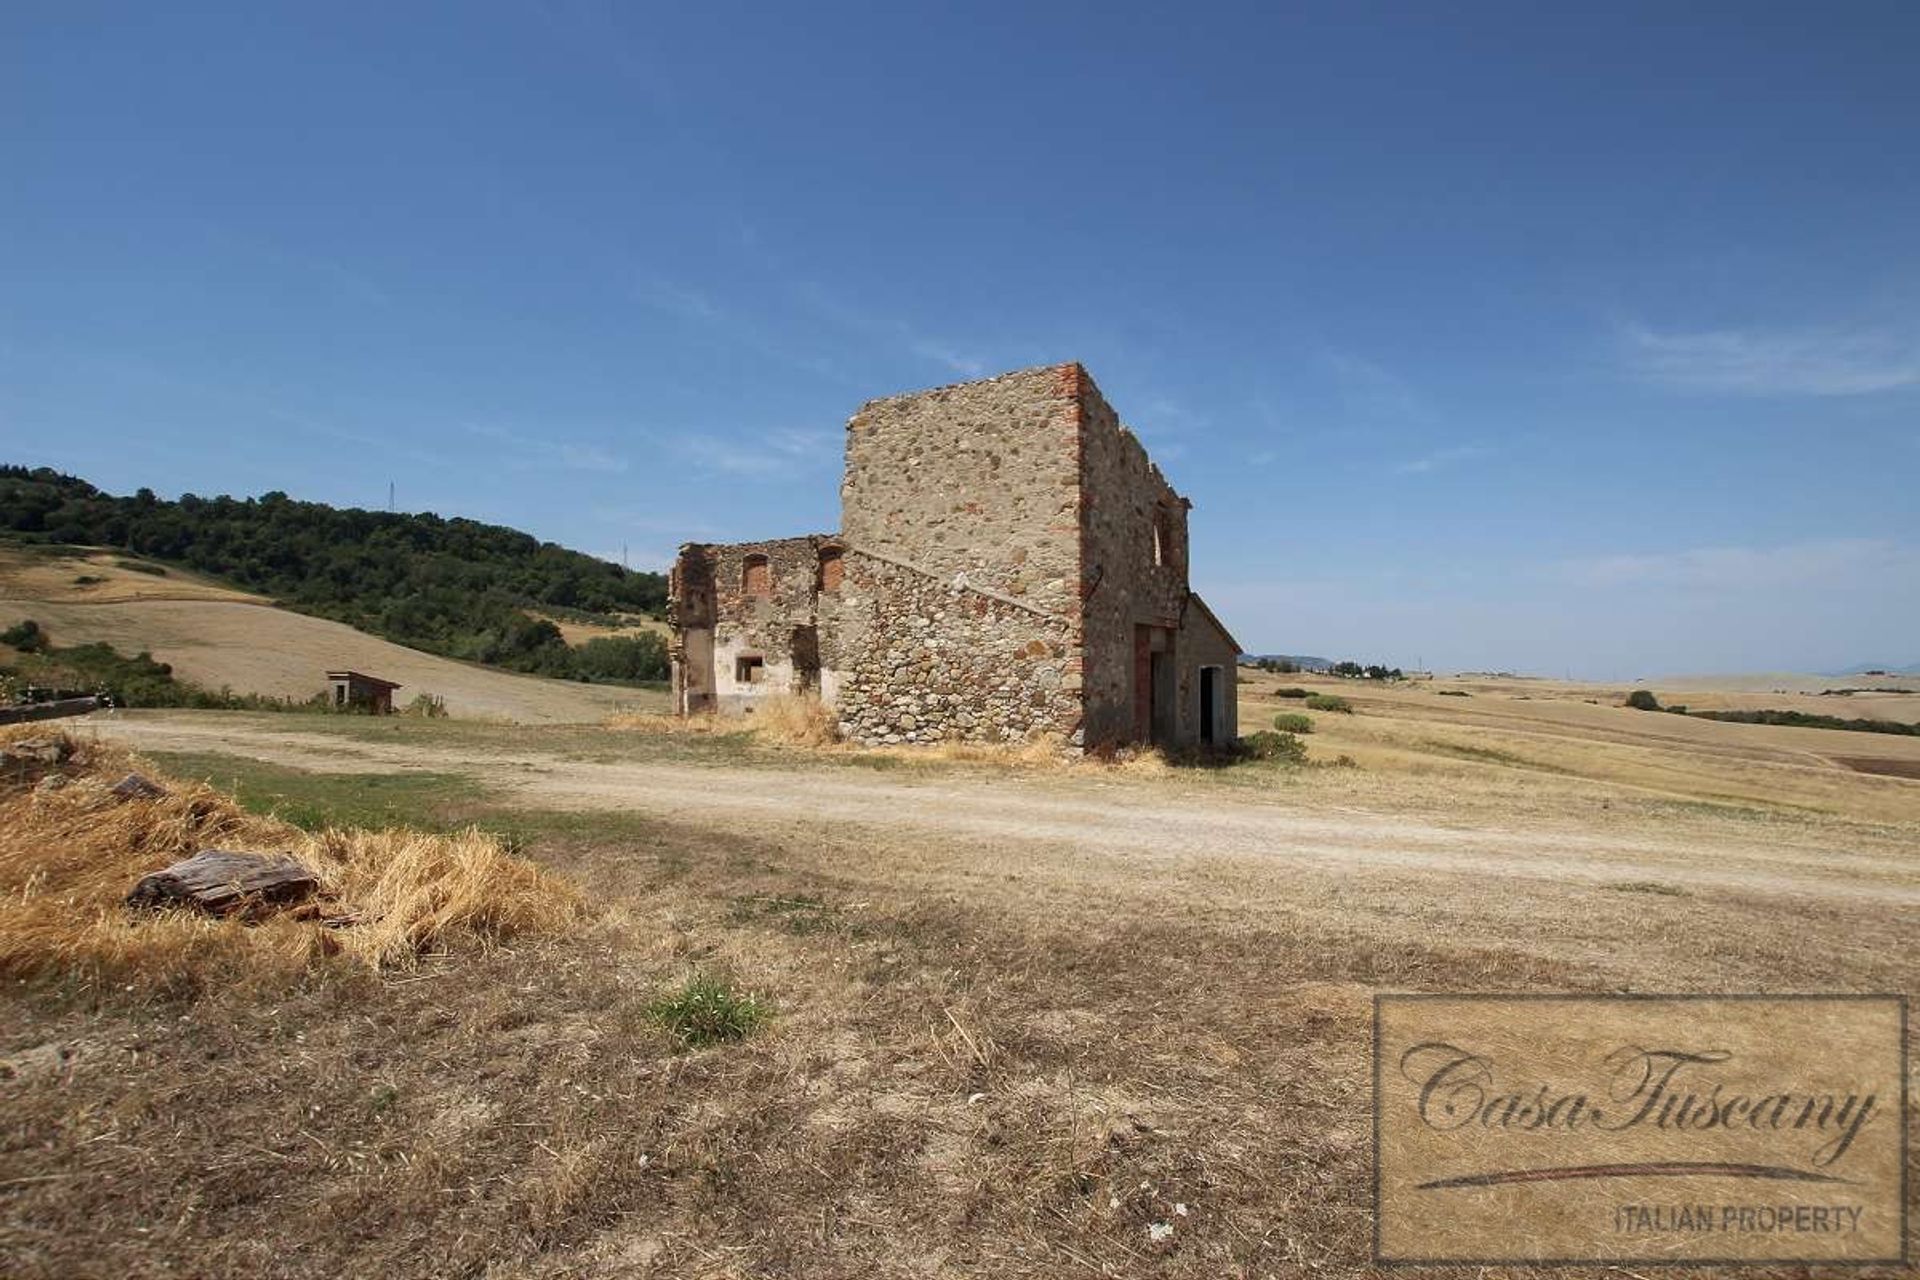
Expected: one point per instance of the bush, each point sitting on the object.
(1643, 700)
(25, 636)
(1271, 745)
(708, 1010)
(1293, 722)
(623, 658)
(1330, 702)
(1291, 692)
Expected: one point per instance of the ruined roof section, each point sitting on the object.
(1014, 376)
(1214, 618)
(1070, 378)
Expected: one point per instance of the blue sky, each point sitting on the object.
(1484, 337)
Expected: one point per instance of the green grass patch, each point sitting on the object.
(1272, 745)
(312, 800)
(708, 1009)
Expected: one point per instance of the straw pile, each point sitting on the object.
(71, 848)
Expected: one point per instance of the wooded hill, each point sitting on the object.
(453, 587)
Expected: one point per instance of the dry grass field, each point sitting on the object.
(223, 639)
(1002, 1017)
(578, 633)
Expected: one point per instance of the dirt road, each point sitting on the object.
(1106, 829)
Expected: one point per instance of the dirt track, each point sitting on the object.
(1112, 831)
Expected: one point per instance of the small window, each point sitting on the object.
(1162, 536)
(756, 576)
(830, 568)
(749, 670)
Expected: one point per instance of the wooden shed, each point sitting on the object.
(356, 690)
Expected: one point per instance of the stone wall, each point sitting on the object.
(980, 479)
(1123, 586)
(781, 628)
(930, 660)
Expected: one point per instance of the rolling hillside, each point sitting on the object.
(217, 638)
(451, 586)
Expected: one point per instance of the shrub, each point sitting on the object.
(428, 706)
(1643, 700)
(25, 636)
(1269, 744)
(1293, 722)
(708, 1010)
(1292, 691)
(623, 658)
(1330, 702)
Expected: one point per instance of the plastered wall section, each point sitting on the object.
(781, 626)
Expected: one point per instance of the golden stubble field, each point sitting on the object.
(1027, 1019)
(220, 638)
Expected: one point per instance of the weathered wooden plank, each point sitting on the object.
(221, 882)
(137, 786)
(48, 710)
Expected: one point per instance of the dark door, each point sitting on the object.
(1209, 693)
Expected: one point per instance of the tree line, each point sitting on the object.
(454, 587)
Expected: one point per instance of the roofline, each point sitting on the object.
(1214, 618)
(347, 674)
(1056, 367)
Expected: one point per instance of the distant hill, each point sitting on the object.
(1868, 668)
(453, 587)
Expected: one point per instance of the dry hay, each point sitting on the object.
(802, 721)
(70, 850)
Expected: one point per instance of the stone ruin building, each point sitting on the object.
(1009, 563)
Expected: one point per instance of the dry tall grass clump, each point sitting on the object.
(796, 720)
(70, 849)
(410, 892)
(662, 722)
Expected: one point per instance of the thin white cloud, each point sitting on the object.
(1835, 562)
(530, 452)
(1371, 389)
(1810, 362)
(1441, 458)
(695, 307)
(688, 304)
(588, 457)
(940, 353)
(754, 456)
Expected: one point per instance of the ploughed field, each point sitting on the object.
(1013, 1019)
